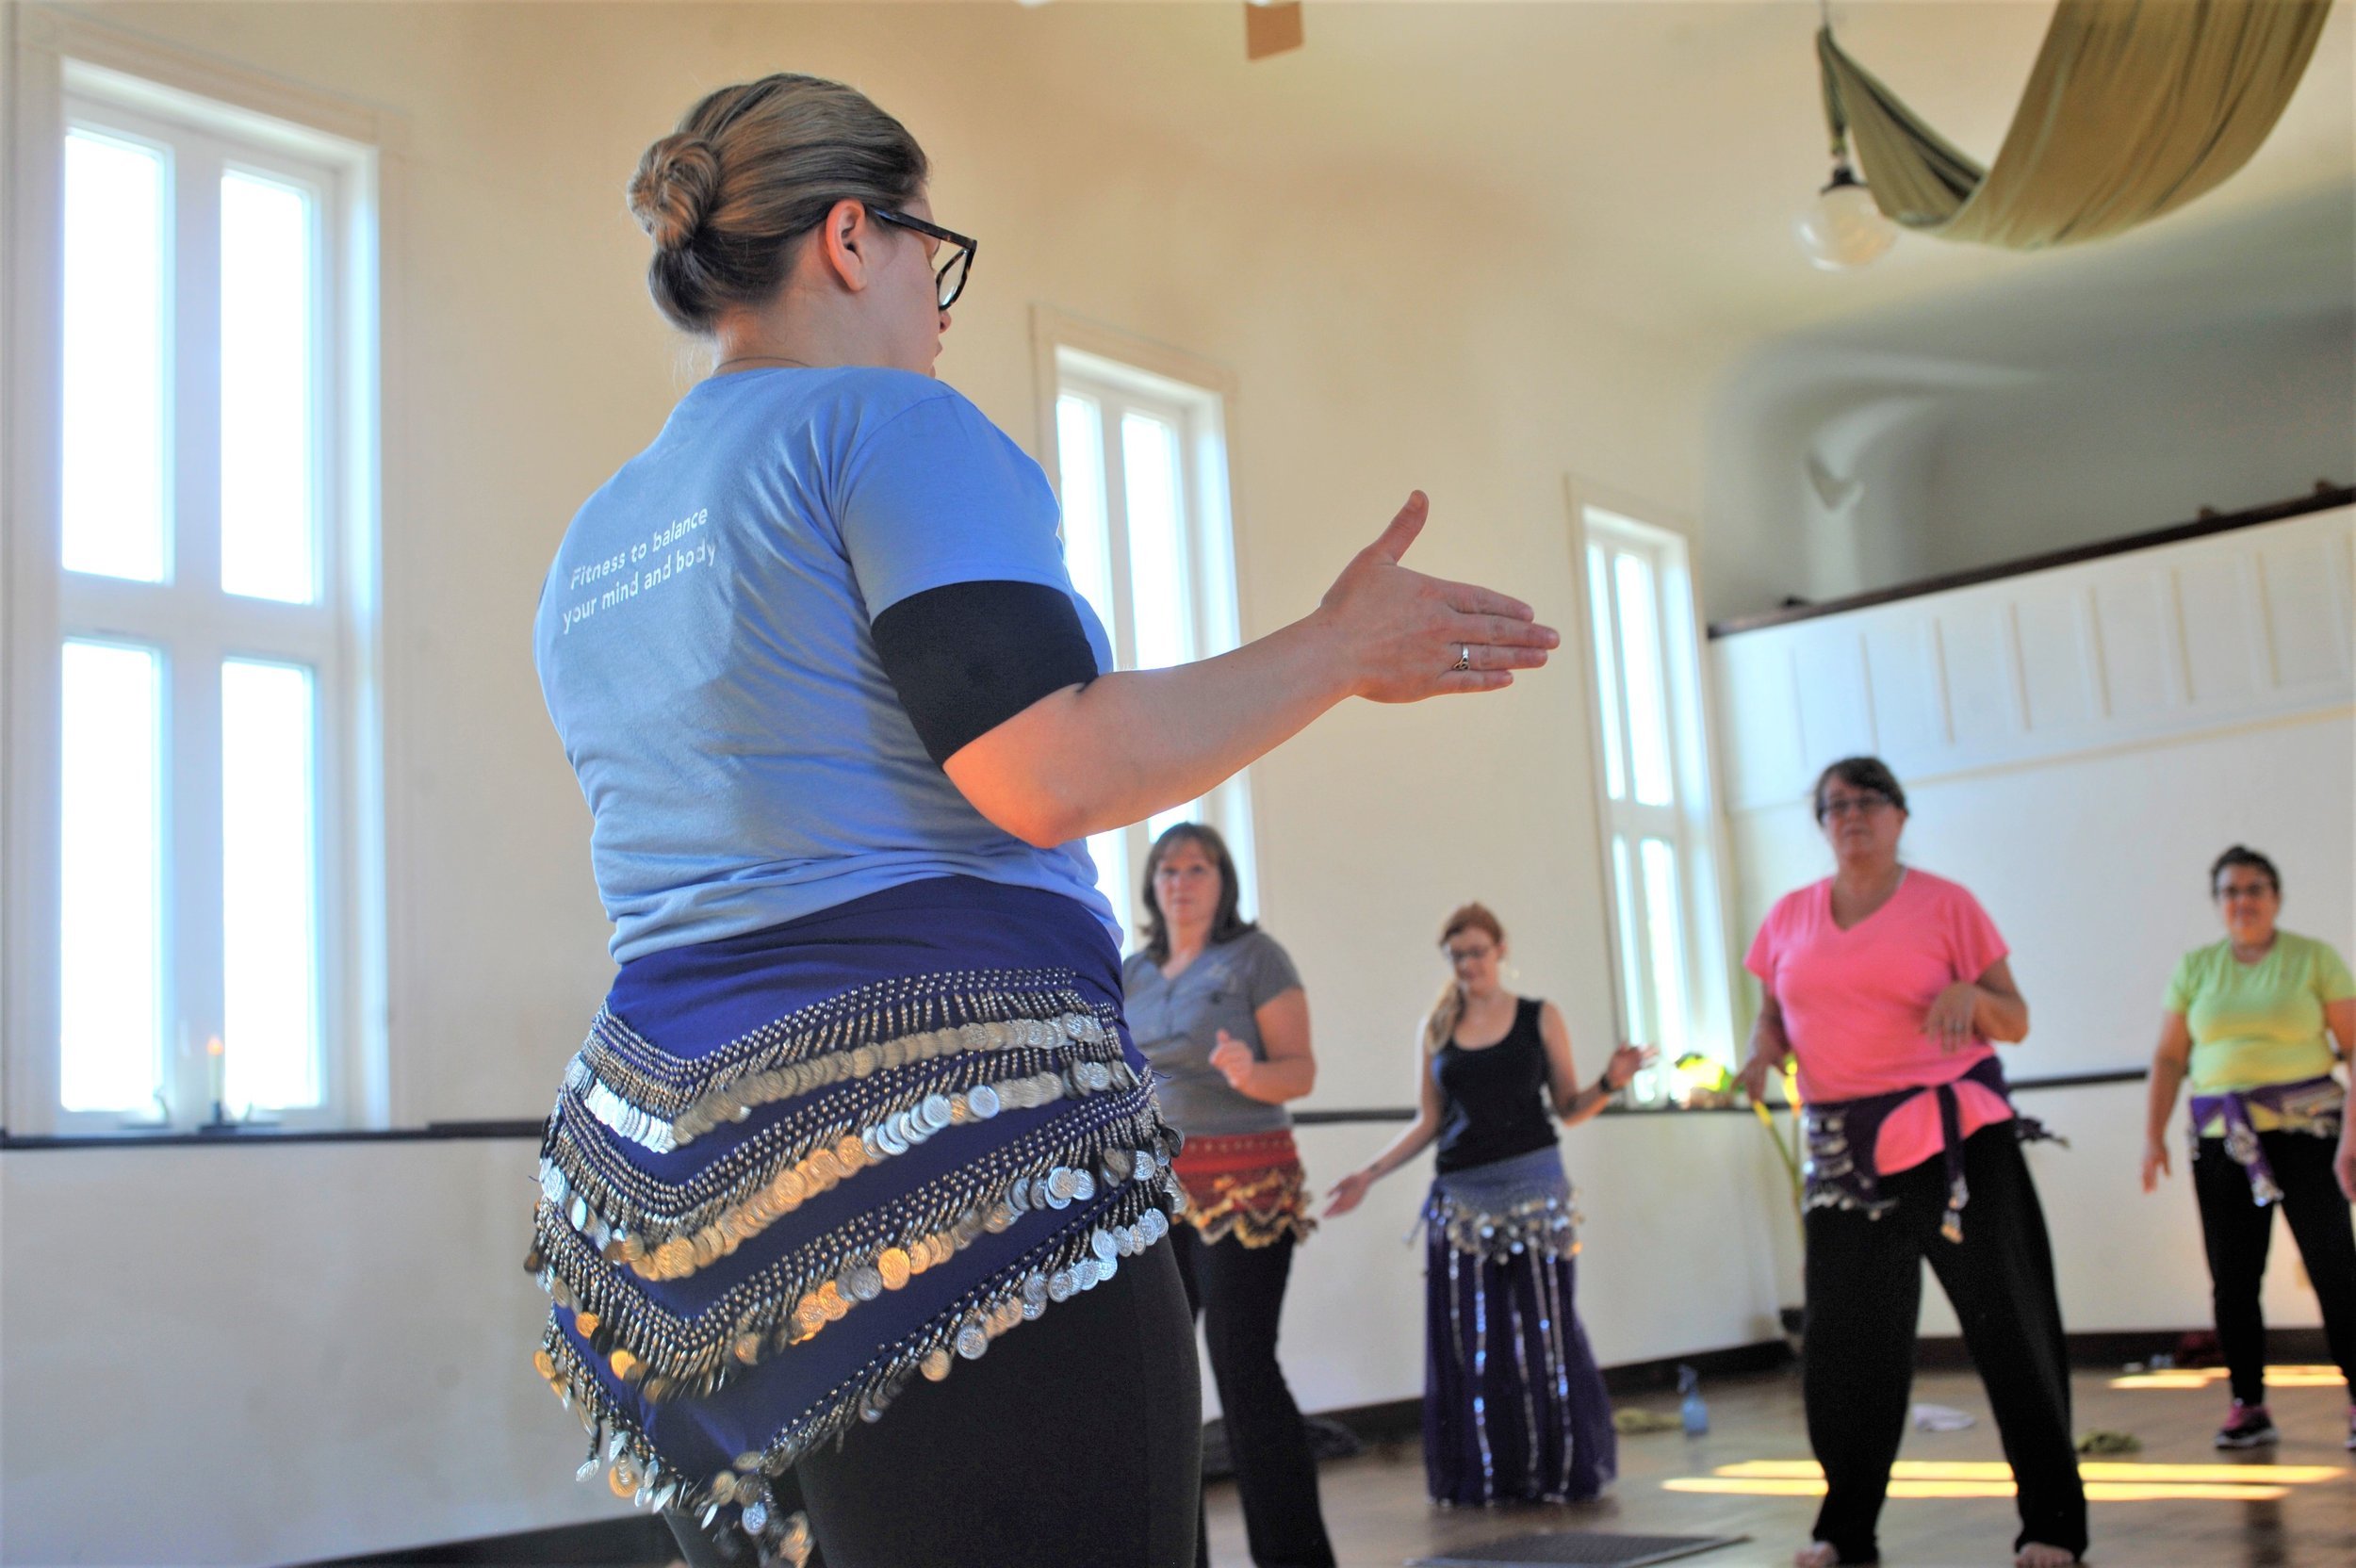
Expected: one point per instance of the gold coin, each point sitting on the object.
(624, 1363)
(674, 1258)
(830, 1301)
(895, 1265)
(851, 1154)
(790, 1190)
(544, 1364)
(585, 1323)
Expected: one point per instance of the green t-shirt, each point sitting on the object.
(2259, 1023)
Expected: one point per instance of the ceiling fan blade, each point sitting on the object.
(1271, 28)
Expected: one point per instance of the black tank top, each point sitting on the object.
(1494, 1101)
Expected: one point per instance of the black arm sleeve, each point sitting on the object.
(968, 657)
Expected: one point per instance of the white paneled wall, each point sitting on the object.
(2077, 745)
(2248, 625)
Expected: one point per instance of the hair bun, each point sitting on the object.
(672, 191)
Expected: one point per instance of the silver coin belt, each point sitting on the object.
(900, 1063)
(1545, 1226)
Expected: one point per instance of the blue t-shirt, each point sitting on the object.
(704, 648)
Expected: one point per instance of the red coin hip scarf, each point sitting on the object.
(1249, 1185)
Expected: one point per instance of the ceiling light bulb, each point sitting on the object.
(1842, 229)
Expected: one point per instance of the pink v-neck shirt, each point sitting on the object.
(1853, 1003)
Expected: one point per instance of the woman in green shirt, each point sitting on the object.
(2258, 1022)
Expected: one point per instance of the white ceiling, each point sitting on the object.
(1661, 148)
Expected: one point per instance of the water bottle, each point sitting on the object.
(1693, 1412)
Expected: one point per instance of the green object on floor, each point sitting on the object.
(1633, 1423)
(2103, 1442)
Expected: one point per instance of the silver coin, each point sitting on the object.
(937, 1111)
(983, 1101)
(973, 1340)
(1083, 1187)
(756, 1517)
(1060, 1285)
(1104, 1246)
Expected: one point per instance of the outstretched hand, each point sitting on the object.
(1346, 1193)
(1402, 633)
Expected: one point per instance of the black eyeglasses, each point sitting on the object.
(1862, 804)
(953, 273)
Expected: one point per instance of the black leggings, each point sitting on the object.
(1075, 1443)
(1240, 1292)
(2238, 1233)
(1864, 1293)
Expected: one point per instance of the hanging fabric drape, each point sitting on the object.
(2134, 108)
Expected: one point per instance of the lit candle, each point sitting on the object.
(217, 1066)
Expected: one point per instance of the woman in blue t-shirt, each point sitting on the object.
(860, 1099)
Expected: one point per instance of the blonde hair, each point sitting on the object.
(751, 168)
(1439, 1024)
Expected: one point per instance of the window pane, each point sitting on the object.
(111, 850)
(1162, 821)
(1110, 851)
(1648, 691)
(266, 533)
(1086, 550)
(1665, 934)
(270, 905)
(1635, 1022)
(112, 484)
(1607, 673)
(1157, 559)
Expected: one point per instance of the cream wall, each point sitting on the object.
(249, 1355)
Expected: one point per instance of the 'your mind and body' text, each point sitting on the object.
(616, 579)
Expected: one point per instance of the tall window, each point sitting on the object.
(1659, 831)
(1142, 460)
(198, 585)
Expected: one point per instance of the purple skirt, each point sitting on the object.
(1514, 1405)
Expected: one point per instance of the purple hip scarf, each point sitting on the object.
(2311, 1106)
(790, 1172)
(1842, 1134)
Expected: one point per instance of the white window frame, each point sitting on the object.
(1120, 373)
(1689, 822)
(67, 71)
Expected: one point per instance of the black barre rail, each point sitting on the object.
(459, 1131)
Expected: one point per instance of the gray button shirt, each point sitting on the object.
(1177, 1023)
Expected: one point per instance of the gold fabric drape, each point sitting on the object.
(2134, 108)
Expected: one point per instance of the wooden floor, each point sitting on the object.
(1378, 1515)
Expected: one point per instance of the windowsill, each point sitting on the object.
(250, 1137)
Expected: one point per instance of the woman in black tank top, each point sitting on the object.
(1494, 1097)
(1514, 1405)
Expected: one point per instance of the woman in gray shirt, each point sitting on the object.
(1218, 1009)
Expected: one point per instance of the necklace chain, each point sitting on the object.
(774, 359)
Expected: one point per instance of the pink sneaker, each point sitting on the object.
(2247, 1427)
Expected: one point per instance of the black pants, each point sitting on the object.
(1075, 1443)
(1864, 1293)
(2238, 1233)
(1239, 1293)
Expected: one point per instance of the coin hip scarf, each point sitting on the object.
(790, 1172)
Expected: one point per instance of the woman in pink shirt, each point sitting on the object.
(1889, 985)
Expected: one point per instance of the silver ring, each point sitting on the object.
(1464, 659)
